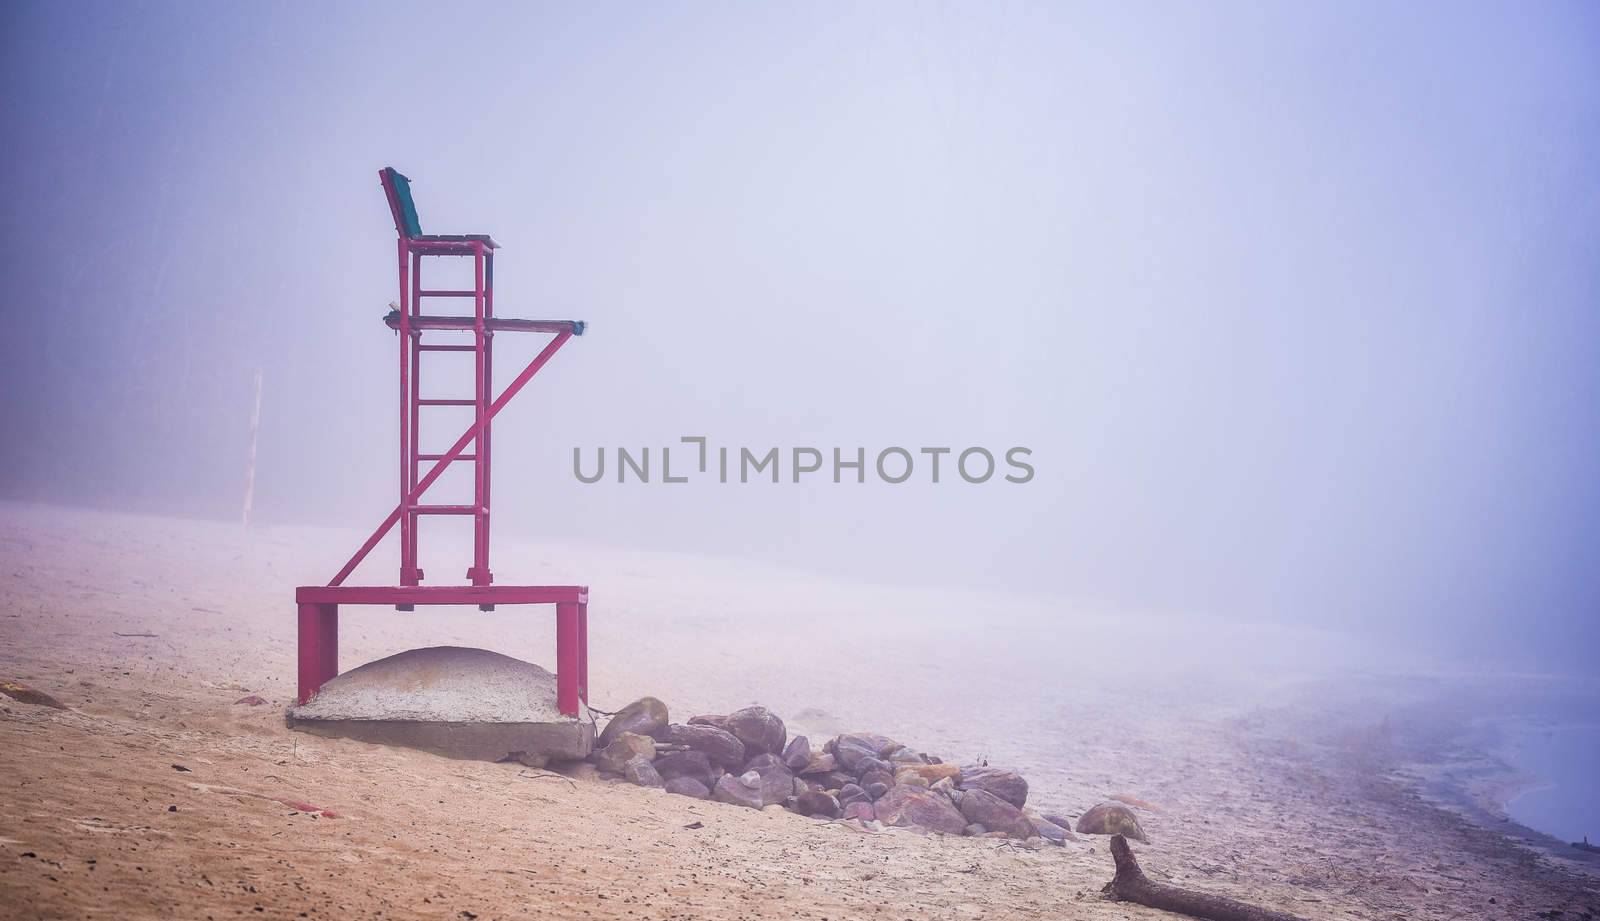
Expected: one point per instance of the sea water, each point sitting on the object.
(1566, 760)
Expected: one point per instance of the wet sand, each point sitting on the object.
(1271, 790)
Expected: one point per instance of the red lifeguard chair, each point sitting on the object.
(319, 604)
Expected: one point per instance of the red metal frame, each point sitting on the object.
(319, 605)
(319, 626)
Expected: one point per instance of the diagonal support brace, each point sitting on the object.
(445, 459)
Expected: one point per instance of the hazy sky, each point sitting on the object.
(1295, 305)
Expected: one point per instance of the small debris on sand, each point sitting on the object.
(20, 692)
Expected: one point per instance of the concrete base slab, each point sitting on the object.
(450, 700)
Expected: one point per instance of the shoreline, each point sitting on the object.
(1427, 751)
(1476, 778)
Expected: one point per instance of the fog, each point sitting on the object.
(1294, 306)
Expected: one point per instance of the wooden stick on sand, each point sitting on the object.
(1131, 885)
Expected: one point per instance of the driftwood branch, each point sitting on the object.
(1131, 885)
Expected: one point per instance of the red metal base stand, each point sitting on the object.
(319, 626)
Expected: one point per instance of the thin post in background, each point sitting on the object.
(250, 467)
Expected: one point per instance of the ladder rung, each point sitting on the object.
(421, 402)
(445, 509)
(434, 457)
(446, 348)
(447, 294)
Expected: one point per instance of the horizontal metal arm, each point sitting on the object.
(498, 324)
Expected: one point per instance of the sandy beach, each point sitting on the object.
(155, 794)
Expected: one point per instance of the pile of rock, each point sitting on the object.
(747, 758)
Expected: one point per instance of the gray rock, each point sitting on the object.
(797, 754)
(624, 748)
(876, 790)
(848, 750)
(861, 810)
(777, 786)
(646, 716)
(759, 729)
(834, 780)
(905, 805)
(713, 720)
(880, 744)
(640, 771)
(763, 763)
(688, 786)
(822, 805)
(995, 814)
(1008, 785)
(870, 764)
(1056, 819)
(690, 764)
(906, 756)
(743, 790)
(852, 747)
(850, 793)
(1111, 818)
(886, 780)
(1048, 830)
(776, 781)
(974, 830)
(724, 750)
(820, 764)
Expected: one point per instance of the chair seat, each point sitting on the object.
(457, 238)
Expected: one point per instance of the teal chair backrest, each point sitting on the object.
(397, 188)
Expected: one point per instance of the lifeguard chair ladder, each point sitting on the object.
(319, 604)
